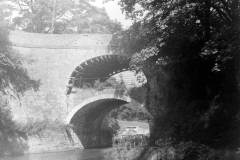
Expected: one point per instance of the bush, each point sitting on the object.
(167, 150)
(194, 151)
(14, 81)
(12, 139)
(123, 153)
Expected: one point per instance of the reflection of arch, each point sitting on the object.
(86, 119)
(91, 100)
(101, 67)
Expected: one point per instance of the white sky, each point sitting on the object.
(114, 11)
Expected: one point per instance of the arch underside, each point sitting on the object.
(87, 122)
(98, 68)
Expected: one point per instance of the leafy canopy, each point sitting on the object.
(189, 52)
(60, 16)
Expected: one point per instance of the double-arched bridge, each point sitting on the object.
(87, 117)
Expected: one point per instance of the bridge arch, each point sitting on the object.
(92, 100)
(86, 119)
(97, 68)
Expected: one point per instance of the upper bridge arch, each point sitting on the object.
(97, 68)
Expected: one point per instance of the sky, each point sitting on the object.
(114, 11)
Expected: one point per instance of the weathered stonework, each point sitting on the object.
(51, 59)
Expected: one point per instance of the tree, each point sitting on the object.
(14, 80)
(57, 16)
(189, 52)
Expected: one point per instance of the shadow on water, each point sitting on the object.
(78, 154)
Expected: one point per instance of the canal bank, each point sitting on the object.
(52, 141)
(59, 139)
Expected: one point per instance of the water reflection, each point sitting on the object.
(86, 154)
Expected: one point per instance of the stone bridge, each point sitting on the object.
(86, 118)
(63, 63)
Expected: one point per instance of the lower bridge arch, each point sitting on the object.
(86, 119)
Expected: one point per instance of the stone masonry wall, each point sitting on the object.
(51, 59)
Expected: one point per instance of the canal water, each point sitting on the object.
(85, 154)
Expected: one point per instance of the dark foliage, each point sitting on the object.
(138, 94)
(189, 52)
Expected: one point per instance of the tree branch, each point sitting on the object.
(225, 4)
(222, 14)
(19, 5)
